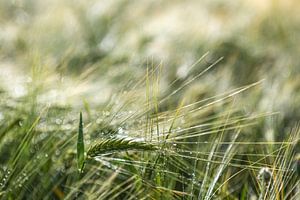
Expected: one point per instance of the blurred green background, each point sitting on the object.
(108, 43)
(128, 65)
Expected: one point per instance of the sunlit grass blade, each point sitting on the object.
(80, 146)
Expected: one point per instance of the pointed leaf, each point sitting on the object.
(80, 146)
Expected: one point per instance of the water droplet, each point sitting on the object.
(57, 152)
(99, 121)
(19, 91)
(121, 130)
(106, 113)
(68, 126)
(58, 121)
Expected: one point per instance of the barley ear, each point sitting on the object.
(111, 145)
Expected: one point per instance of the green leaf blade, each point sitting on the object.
(80, 146)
